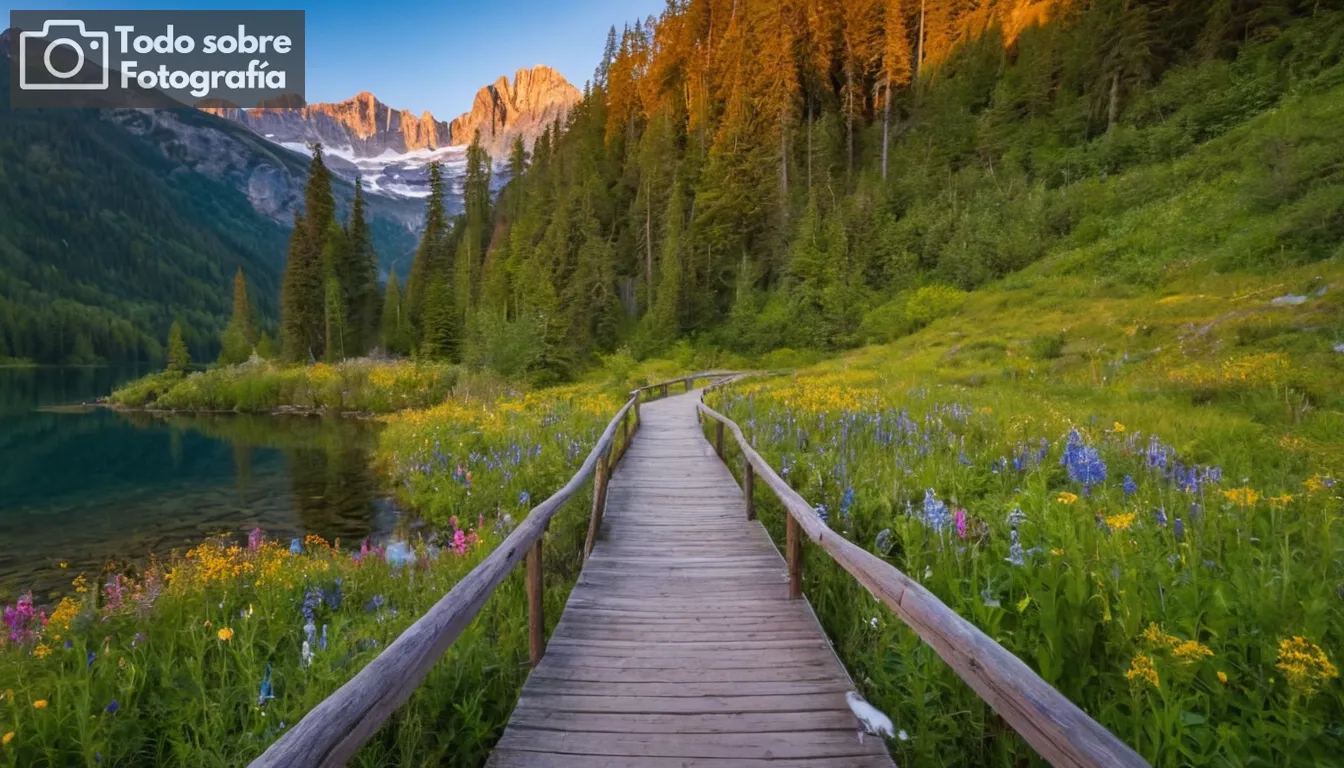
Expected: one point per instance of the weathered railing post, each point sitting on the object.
(536, 620)
(599, 501)
(689, 382)
(749, 488)
(664, 390)
(718, 438)
(795, 546)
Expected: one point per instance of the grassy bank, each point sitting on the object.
(363, 386)
(206, 658)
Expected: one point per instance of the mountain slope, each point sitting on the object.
(503, 111)
(116, 222)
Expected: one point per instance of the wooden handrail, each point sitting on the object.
(689, 381)
(1055, 727)
(333, 730)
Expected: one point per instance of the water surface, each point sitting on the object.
(85, 486)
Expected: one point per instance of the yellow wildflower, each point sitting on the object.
(1222, 677)
(225, 634)
(1156, 638)
(8, 737)
(1315, 483)
(8, 695)
(42, 650)
(1057, 552)
(1284, 499)
(1067, 498)
(40, 704)
(64, 565)
(1243, 497)
(1141, 668)
(1118, 427)
(1120, 522)
(80, 584)
(63, 617)
(1305, 665)
(1190, 651)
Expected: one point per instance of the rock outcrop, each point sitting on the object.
(504, 110)
(364, 126)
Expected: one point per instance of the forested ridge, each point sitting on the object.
(756, 175)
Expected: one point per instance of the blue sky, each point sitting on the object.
(428, 55)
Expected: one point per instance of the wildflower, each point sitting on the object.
(1067, 498)
(1118, 427)
(1305, 665)
(847, 502)
(1130, 487)
(89, 662)
(934, 512)
(8, 737)
(42, 650)
(1190, 651)
(322, 644)
(374, 604)
(821, 512)
(1141, 668)
(1083, 462)
(1120, 522)
(1160, 514)
(40, 704)
(1179, 528)
(959, 515)
(224, 634)
(1286, 498)
(988, 599)
(112, 707)
(267, 691)
(254, 539)
(138, 639)
(306, 654)
(1016, 517)
(1244, 497)
(295, 546)
(902, 735)
(1057, 552)
(873, 622)
(1016, 554)
(1222, 677)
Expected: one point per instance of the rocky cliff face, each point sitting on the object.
(505, 110)
(362, 126)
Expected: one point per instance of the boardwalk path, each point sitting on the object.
(679, 646)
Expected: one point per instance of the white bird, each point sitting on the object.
(874, 722)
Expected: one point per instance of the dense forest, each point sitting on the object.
(756, 174)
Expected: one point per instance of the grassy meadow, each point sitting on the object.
(1131, 487)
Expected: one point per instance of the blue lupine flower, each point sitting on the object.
(1161, 515)
(1016, 555)
(1180, 529)
(934, 513)
(399, 553)
(112, 707)
(68, 644)
(310, 633)
(847, 501)
(1083, 462)
(374, 604)
(92, 657)
(524, 499)
(1016, 517)
(322, 644)
(311, 600)
(295, 547)
(267, 691)
(1130, 486)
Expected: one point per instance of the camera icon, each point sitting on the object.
(66, 39)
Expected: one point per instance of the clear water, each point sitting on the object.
(84, 486)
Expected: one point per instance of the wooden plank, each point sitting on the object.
(511, 758)
(1055, 727)
(772, 745)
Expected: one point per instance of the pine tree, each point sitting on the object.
(430, 256)
(179, 356)
(896, 66)
(301, 297)
(238, 337)
(395, 324)
(359, 280)
(474, 228)
(439, 336)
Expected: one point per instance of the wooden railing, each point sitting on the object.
(655, 391)
(333, 730)
(1055, 727)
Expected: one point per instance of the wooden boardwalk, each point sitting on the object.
(679, 646)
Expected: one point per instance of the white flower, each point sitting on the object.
(306, 654)
(902, 735)
(873, 622)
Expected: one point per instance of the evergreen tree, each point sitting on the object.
(431, 256)
(439, 336)
(303, 295)
(179, 356)
(395, 324)
(238, 337)
(359, 280)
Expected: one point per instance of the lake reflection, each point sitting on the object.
(84, 487)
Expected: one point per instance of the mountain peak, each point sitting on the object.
(505, 110)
